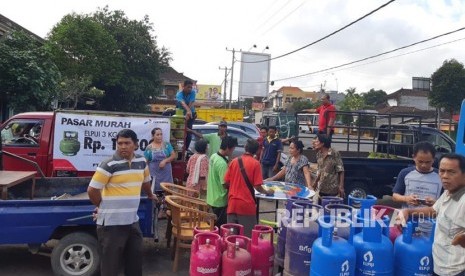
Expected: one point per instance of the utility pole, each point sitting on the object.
(232, 75)
(225, 82)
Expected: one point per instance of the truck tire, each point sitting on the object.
(76, 255)
(357, 189)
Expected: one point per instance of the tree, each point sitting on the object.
(28, 76)
(142, 61)
(82, 47)
(71, 90)
(351, 102)
(448, 89)
(374, 97)
(301, 105)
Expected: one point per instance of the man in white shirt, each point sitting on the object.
(449, 210)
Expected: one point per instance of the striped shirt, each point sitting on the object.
(120, 181)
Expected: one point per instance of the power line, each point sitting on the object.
(323, 38)
(377, 55)
(281, 20)
(404, 54)
(276, 12)
(374, 56)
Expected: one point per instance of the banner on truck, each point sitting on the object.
(84, 141)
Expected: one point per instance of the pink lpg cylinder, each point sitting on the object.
(198, 230)
(394, 229)
(237, 259)
(205, 255)
(229, 229)
(262, 250)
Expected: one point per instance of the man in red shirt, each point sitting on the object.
(241, 196)
(327, 116)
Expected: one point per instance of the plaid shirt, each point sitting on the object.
(329, 167)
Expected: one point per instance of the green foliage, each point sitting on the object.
(72, 89)
(28, 76)
(142, 62)
(374, 97)
(351, 102)
(301, 105)
(448, 89)
(82, 49)
(120, 57)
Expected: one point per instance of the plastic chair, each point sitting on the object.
(186, 215)
(177, 190)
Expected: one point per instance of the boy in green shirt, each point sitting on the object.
(217, 195)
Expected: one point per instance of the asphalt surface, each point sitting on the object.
(16, 260)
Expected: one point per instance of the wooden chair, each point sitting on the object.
(174, 189)
(178, 190)
(186, 214)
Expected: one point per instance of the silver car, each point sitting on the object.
(248, 128)
(241, 136)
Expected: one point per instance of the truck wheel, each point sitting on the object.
(76, 255)
(357, 190)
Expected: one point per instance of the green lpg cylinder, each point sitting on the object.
(177, 124)
(70, 144)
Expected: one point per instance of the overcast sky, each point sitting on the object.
(197, 34)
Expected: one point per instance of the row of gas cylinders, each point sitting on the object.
(232, 253)
(337, 239)
(311, 242)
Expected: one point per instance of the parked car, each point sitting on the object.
(241, 136)
(248, 128)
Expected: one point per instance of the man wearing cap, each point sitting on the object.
(213, 139)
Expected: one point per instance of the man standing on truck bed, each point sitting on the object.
(185, 100)
(327, 116)
(115, 190)
(420, 184)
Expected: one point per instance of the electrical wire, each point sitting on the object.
(323, 38)
(276, 12)
(374, 56)
(377, 55)
(286, 16)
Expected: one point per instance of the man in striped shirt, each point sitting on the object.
(115, 189)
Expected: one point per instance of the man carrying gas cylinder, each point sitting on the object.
(449, 210)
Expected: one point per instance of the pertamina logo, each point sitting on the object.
(424, 264)
(368, 259)
(345, 269)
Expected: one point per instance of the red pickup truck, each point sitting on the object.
(72, 143)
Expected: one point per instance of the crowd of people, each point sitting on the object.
(228, 186)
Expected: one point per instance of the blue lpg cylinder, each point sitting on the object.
(361, 203)
(283, 223)
(339, 211)
(331, 254)
(374, 250)
(325, 200)
(413, 253)
(301, 233)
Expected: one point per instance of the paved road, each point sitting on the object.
(16, 260)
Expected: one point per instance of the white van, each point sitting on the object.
(308, 122)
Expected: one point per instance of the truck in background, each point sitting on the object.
(374, 150)
(460, 140)
(217, 114)
(308, 122)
